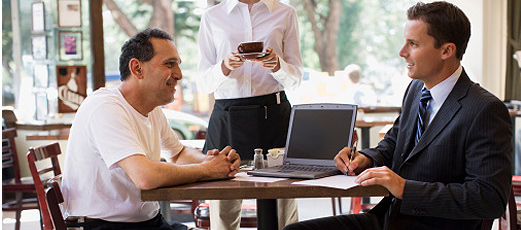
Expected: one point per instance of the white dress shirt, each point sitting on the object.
(224, 26)
(441, 91)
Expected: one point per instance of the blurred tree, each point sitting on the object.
(7, 55)
(162, 16)
(179, 18)
(325, 23)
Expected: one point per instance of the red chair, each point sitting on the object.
(509, 220)
(48, 168)
(54, 198)
(16, 185)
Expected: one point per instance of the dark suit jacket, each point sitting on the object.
(459, 172)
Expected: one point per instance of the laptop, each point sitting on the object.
(317, 132)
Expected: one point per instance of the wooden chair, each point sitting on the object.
(15, 185)
(47, 168)
(509, 220)
(54, 198)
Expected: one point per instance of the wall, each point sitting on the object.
(22, 146)
(484, 59)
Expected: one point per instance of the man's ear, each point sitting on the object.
(135, 68)
(449, 50)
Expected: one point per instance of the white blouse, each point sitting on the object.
(224, 26)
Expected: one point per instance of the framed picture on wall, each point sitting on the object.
(39, 47)
(72, 87)
(37, 17)
(69, 13)
(70, 46)
(41, 76)
(42, 106)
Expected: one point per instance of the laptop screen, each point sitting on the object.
(318, 131)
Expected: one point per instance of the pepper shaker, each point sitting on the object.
(258, 159)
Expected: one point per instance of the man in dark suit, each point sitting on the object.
(447, 161)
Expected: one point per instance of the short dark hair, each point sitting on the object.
(446, 23)
(139, 47)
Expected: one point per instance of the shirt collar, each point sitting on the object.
(441, 91)
(230, 4)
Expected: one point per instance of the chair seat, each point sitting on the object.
(26, 185)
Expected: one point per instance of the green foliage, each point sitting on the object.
(348, 40)
(187, 18)
(7, 32)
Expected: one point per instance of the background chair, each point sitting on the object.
(47, 168)
(202, 215)
(12, 183)
(509, 220)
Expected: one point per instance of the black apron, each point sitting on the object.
(249, 123)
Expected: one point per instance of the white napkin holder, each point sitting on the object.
(275, 157)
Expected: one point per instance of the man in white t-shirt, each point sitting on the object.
(117, 137)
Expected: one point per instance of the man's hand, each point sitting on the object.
(228, 155)
(270, 61)
(359, 163)
(231, 62)
(385, 177)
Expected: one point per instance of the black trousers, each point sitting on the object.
(249, 123)
(156, 223)
(363, 221)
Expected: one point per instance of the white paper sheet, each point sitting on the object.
(337, 181)
(243, 176)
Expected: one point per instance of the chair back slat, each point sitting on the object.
(45, 170)
(40, 176)
(9, 153)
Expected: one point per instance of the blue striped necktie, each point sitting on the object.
(422, 114)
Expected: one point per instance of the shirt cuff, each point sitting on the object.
(282, 72)
(218, 72)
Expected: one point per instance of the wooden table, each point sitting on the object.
(265, 193)
(55, 134)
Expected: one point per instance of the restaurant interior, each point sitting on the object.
(57, 52)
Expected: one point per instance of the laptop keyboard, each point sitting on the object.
(308, 168)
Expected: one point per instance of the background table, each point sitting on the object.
(265, 193)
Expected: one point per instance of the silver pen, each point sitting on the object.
(352, 157)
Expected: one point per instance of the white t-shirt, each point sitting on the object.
(107, 129)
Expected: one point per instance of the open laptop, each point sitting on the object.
(317, 132)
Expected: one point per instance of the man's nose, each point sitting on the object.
(402, 52)
(177, 73)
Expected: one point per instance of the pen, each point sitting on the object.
(352, 157)
(353, 150)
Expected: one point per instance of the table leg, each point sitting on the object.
(365, 137)
(267, 217)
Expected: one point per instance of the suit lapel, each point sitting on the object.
(410, 130)
(445, 115)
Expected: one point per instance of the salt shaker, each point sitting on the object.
(258, 159)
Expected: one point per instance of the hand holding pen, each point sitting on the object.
(346, 156)
(351, 158)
